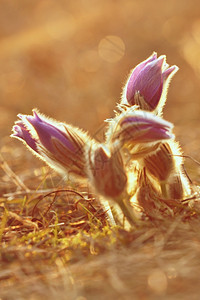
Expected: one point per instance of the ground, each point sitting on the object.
(65, 61)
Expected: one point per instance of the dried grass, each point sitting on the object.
(55, 243)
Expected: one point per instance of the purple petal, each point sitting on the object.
(172, 70)
(141, 117)
(140, 127)
(148, 82)
(20, 131)
(139, 67)
(156, 134)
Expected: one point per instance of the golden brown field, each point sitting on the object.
(70, 59)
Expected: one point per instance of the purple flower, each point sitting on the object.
(58, 144)
(148, 82)
(140, 131)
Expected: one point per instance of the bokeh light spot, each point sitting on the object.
(157, 281)
(111, 48)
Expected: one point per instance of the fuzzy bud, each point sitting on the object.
(106, 171)
(160, 164)
(148, 82)
(58, 144)
(139, 132)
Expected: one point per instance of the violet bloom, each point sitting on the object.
(148, 82)
(140, 132)
(58, 144)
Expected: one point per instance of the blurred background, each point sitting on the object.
(70, 59)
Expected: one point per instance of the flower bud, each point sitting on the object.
(140, 132)
(160, 164)
(58, 144)
(107, 174)
(165, 165)
(148, 82)
(106, 171)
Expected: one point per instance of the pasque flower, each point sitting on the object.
(139, 132)
(148, 82)
(137, 141)
(107, 173)
(58, 144)
(166, 166)
(146, 89)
